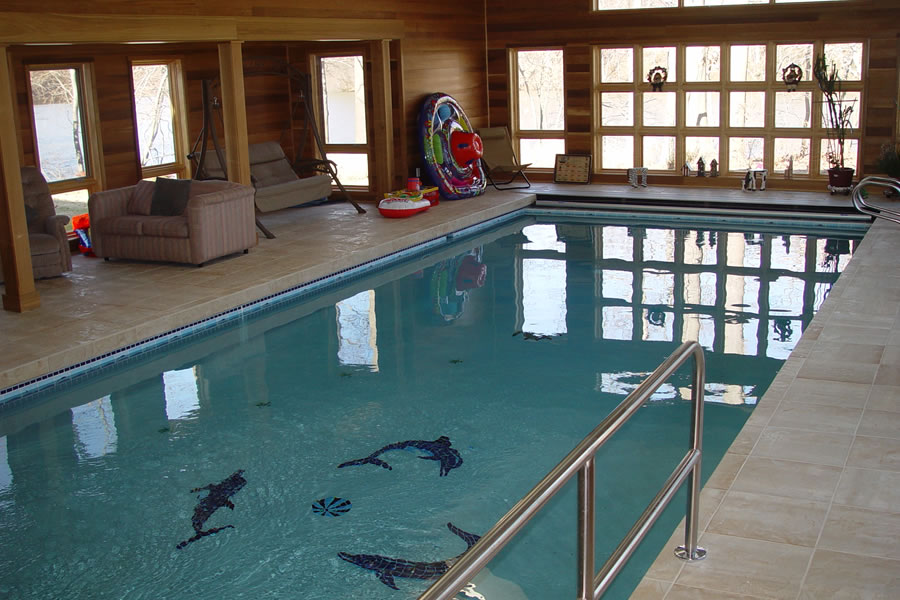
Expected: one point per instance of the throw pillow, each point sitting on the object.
(170, 197)
(141, 198)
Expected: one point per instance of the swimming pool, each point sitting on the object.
(95, 477)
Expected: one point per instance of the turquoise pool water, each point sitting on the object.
(513, 344)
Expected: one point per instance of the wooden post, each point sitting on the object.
(383, 119)
(15, 250)
(234, 112)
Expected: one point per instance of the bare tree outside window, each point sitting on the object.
(541, 103)
(58, 121)
(153, 109)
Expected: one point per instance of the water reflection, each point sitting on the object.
(742, 293)
(95, 427)
(181, 394)
(357, 331)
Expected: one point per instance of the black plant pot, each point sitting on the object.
(840, 177)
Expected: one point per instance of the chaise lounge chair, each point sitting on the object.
(499, 158)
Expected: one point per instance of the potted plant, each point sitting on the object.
(837, 111)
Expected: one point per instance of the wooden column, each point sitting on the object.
(234, 112)
(15, 250)
(382, 155)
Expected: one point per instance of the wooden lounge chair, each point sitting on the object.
(500, 158)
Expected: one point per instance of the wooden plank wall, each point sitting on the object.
(571, 24)
(437, 53)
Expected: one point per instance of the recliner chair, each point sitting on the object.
(47, 238)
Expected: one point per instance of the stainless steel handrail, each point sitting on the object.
(581, 461)
(876, 211)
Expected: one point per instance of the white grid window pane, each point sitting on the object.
(793, 109)
(617, 65)
(745, 153)
(794, 152)
(617, 151)
(617, 109)
(660, 57)
(659, 109)
(748, 63)
(659, 152)
(701, 109)
(541, 153)
(702, 63)
(541, 103)
(747, 109)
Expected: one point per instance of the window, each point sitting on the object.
(539, 106)
(343, 106)
(159, 113)
(725, 102)
(64, 122)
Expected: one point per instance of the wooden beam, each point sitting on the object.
(15, 250)
(56, 28)
(383, 119)
(234, 112)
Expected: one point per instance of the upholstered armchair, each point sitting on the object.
(50, 256)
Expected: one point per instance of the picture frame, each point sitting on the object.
(572, 168)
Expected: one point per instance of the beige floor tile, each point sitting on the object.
(875, 453)
(844, 576)
(789, 479)
(868, 488)
(770, 518)
(884, 397)
(683, 592)
(750, 567)
(879, 423)
(828, 393)
(888, 374)
(746, 439)
(841, 352)
(833, 370)
(854, 334)
(861, 531)
(804, 446)
(811, 417)
(651, 589)
(726, 471)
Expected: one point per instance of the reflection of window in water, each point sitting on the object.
(357, 331)
(617, 243)
(659, 325)
(786, 295)
(699, 328)
(740, 337)
(622, 384)
(789, 253)
(95, 428)
(617, 323)
(182, 394)
(659, 288)
(743, 252)
(832, 256)
(700, 288)
(616, 285)
(742, 293)
(542, 237)
(659, 245)
(783, 336)
(544, 296)
(5, 471)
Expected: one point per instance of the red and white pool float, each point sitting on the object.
(403, 204)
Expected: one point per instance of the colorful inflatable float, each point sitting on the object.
(450, 148)
(406, 203)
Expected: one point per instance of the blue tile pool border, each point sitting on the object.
(72, 374)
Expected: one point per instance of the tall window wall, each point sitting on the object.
(160, 118)
(539, 106)
(342, 104)
(722, 102)
(64, 122)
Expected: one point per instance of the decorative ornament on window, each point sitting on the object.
(792, 75)
(657, 77)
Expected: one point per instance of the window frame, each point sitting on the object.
(319, 108)
(681, 4)
(95, 176)
(815, 133)
(517, 134)
(181, 166)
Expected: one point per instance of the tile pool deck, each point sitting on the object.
(806, 504)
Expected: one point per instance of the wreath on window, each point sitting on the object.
(792, 75)
(657, 77)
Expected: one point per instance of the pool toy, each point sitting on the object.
(438, 450)
(403, 203)
(331, 506)
(450, 148)
(386, 568)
